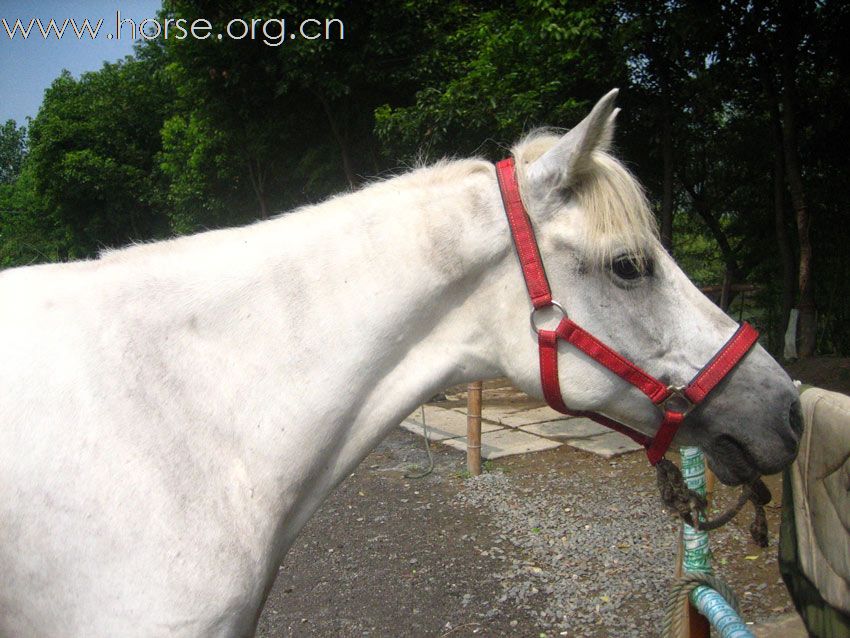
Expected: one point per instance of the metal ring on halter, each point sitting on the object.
(551, 304)
(677, 401)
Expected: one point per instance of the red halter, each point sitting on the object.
(675, 401)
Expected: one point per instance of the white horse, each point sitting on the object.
(171, 414)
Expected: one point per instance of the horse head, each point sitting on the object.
(609, 274)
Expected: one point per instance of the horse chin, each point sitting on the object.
(731, 462)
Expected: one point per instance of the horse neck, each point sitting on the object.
(358, 310)
(406, 268)
(392, 305)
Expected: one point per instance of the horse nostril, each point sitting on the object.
(795, 418)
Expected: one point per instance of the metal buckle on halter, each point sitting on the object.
(551, 304)
(677, 401)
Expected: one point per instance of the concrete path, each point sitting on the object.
(507, 431)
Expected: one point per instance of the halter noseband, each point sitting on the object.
(675, 401)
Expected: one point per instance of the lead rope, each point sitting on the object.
(691, 506)
(671, 626)
(430, 467)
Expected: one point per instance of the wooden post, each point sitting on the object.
(473, 428)
(684, 610)
(695, 625)
(698, 625)
(709, 485)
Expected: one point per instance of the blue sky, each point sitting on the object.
(27, 67)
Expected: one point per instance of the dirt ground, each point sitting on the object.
(830, 373)
(391, 556)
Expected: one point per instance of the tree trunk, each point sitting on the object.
(733, 272)
(783, 240)
(805, 281)
(794, 176)
(667, 179)
(733, 269)
(726, 290)
(258, 183)
(343, 147)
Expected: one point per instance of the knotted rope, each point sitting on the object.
(691, 506)
(681, 589)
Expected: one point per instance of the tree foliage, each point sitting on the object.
(12, 150)
(734, 119)
(501, 69)
(93, 148)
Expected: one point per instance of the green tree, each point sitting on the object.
(12, 150)
(496, 70)
(734, 118)
(785, 57)
(92, 154)
(260, 128)
(27, 234)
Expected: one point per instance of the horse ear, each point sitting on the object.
(608, 133)
(563, 164)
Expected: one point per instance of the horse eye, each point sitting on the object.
(627, 267)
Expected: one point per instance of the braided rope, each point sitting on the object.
(690, 506)
(671, 626)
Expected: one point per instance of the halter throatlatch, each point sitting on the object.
(675, 402)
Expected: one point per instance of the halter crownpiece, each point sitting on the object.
(675, 402)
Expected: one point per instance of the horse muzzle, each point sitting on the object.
(742, 455)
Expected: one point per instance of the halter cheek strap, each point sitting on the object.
(675, 402)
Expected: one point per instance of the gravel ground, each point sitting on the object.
(599, 554)
(390, 556)
(555, 543)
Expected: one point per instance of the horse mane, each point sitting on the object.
(618, 216)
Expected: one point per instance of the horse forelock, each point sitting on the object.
(617, 214)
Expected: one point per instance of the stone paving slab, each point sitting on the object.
(442, 423)
(448, 425)
(522, 418)
(438, 417)
(587, 435)
(493, 415)
(499, 443)
(608, 445)
(567, 429)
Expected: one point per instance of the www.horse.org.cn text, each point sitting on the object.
(272, 32)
